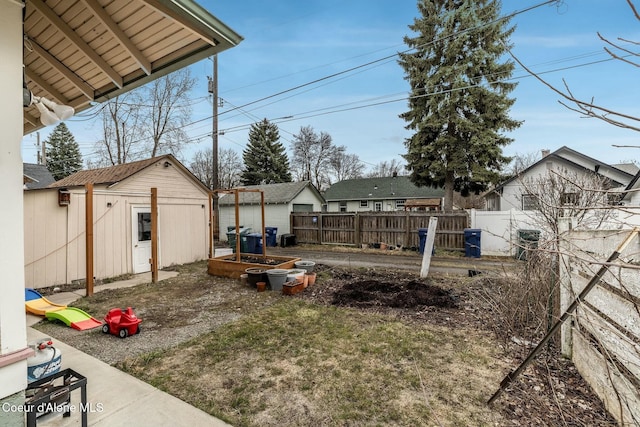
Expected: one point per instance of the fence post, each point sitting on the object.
(320, 221)
(356, 226)
(564, 281)
(407, 229)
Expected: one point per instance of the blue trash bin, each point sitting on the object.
(422, 234)
(270, 234)
(472, 247)
(254, 243)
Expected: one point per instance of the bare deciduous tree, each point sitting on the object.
(120, 130)
(386, 168)
(147, 121)
(229, 167)
(169, 111)
(346, 166)
(312, 156)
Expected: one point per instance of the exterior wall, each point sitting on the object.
(55, 236)
(499, 230)
(388, 205)
(275, 215)
(13, 332)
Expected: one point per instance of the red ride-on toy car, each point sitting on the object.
(121, 322)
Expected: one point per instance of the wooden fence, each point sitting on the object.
(392, 228)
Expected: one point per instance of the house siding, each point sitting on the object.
(276, 215)
(388, 205)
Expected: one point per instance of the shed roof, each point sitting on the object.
(278, 193)
(109, 175)
(38, 176)
(398, 187)
(114, 174)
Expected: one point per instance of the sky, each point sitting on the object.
(332, 65)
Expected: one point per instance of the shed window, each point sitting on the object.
(144, 226)
(343, 206)
(400, 203)
(377, 206)
(364, 203)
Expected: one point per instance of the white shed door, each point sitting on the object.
(141, 227)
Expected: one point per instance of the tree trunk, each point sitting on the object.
(448, 192)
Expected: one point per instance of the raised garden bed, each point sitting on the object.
(228, 266)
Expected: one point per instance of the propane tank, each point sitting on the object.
(47, 360)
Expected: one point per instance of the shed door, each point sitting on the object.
(141, 227)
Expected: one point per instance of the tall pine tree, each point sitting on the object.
(459, 95)
(265, 158)
(63, 153)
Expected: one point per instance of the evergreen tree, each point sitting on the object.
(459, 104)
(63, 153)
(265, 158)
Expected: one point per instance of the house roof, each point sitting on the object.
(280, 193)
(38, 176)
(80, 52)
(560, 155)
(398, 187)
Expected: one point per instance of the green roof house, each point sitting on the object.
(381, 194)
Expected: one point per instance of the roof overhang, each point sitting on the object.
(79, 52)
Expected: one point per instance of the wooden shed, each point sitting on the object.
(55, 229)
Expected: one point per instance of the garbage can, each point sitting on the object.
(422, 234)
(287, 240)
(231, 238)
(527, 240)
(271, 233)
(472, 242)
(254, 243)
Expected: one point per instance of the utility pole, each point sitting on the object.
(213, 90)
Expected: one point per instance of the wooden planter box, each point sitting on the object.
(227, 266)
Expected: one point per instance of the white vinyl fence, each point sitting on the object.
(603, 338)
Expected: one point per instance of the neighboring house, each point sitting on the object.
(54, 219)
(512, 194)
(36, 176)
(632, 192)
(279, 201)
(394, 193)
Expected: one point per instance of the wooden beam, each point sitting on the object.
(60, 67)
(211, 225)
(53, 92)
(154, 235)
(74, 38)
(118, 34)
(88, 225)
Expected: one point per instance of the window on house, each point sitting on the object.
(400, 203)
(364, 203)
(529, 202)
(377, 206)
(614, 199)
(569, 199)
(343, 206)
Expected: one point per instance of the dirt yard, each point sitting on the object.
(360, 347)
